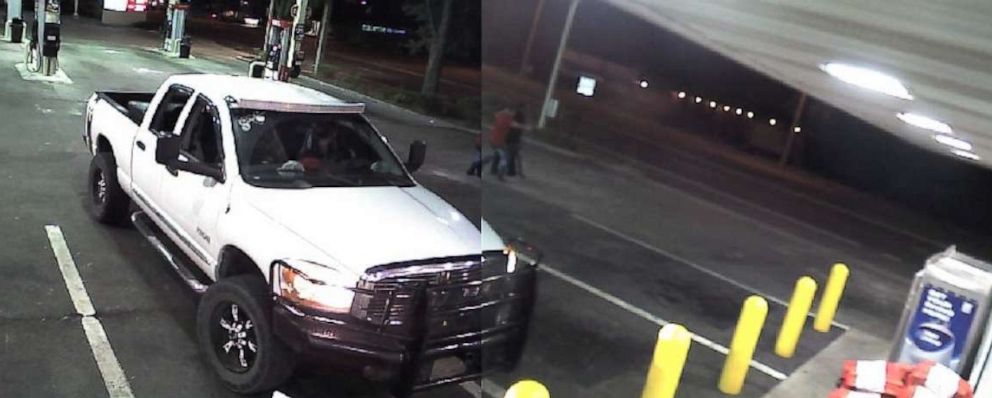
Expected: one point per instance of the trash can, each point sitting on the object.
(16, 30)
(184, 47)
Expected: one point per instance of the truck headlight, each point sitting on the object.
(511, 259)
(313, 285)
(519, 253)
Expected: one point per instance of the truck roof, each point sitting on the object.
(262, 93)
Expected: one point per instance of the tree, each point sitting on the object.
(466, 20)
(436, 19)
(436, 58)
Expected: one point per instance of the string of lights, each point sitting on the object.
(713, 104)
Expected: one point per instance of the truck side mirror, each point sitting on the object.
(415, 159)
(167, 150)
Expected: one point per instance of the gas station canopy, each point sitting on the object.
(919, 69)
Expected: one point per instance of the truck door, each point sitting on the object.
(195, 200)
(146, 173)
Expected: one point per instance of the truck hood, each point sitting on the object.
(367, 226)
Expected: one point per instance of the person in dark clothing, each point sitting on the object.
(505, 122)
(514, 141)
(479, 162)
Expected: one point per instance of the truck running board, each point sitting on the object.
(175, 258)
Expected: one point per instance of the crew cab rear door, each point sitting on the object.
(195, 201)
(146, 173)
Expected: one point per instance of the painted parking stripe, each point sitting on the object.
(697, 267)
(73, 283)
(761, 367)
(113, 375)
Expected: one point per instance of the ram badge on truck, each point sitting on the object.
(308, 237)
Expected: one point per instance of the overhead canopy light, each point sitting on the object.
(965, 154)
(953, 142)
(681, 94)
(925, 122)
(867, 78)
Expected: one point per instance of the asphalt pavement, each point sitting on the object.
(628, 247)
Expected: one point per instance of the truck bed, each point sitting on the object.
(131, 104)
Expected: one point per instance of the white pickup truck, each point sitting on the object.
(308, 237)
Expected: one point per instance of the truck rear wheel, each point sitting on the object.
(108, 203)
(234, 327)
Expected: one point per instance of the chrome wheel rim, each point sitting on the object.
(233, 338)
(100, 188)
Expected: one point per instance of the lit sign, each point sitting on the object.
(587, 86)
(382, 29)
(125, 5)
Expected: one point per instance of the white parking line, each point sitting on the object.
(113, 375)
(768, 370)
(73, 283)
(695, 266)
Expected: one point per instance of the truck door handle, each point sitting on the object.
(141, 145)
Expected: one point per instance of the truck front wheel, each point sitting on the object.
(234, 327)
(108, 202)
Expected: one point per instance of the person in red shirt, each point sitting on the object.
(502, 123)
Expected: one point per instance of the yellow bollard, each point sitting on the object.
(746, 335)
(831, 298)
(795, 317)
(668, 361)
(527, 389)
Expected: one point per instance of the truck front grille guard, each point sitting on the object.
(390, 295)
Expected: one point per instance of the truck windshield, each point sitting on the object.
(305, 150)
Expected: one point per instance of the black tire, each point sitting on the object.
(242, 369)
(108, 204)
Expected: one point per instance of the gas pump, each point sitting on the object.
(46, 39)
(294, 58)
(284, 39)
(176, 42)
(276, 41)
(13, 28)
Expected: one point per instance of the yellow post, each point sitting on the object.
(669, 359)
(746, 335)
(527, 389)
(795, 317)
(831, 298)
